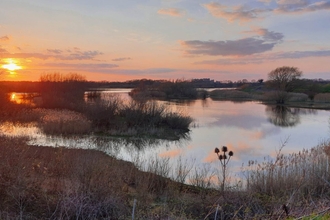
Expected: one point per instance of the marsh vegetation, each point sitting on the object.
(60, 183)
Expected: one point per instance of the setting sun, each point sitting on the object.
(11, 65)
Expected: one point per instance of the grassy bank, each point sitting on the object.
(299, 100)
(59, 183)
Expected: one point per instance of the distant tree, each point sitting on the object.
(284, 78)
(260, 81)
(245, 81)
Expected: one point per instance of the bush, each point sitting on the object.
(176, 121)
(103, 113)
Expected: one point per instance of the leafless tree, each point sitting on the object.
(284, 78)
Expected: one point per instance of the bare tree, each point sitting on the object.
(284, 78)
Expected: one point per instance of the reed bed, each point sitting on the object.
(228, 94)
(64, 122)
(322, 97)
(58, 183)
(295, 180)
(298, 97)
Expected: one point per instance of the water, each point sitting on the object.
(251, 130)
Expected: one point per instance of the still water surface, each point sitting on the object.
(251, 130)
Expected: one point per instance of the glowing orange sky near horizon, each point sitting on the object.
(19, 69)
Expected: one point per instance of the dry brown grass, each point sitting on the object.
(230, 94)
(59, 183)
(64, 122)
(322, 97)
(299, 180)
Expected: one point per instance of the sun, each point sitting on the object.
(11, 65)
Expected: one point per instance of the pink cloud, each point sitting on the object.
(239, 13)
(300, 6)
(171, 12)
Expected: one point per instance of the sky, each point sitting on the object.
(108, 40)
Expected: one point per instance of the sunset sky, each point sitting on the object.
(163, 39)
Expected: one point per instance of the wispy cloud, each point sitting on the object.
(175, 12)
(3, 51)
(55, 51)
(265, 1)
(239, 13)
(121, 59)
(84, 66)
(301, 6)
(57, 55)
(153, 71)
(244, 14)
(255, 59)
(266, 34)
(265, 41)
(4, 38)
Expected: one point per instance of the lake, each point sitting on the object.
(251, 130)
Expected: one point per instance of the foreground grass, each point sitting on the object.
(59, 183)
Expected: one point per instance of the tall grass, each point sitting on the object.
(231, 94)
(295, 180)
(64, 122)
(322, 97)
(58, 183)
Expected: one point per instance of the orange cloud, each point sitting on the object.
(171, 12)
(4, 38)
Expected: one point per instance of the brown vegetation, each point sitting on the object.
(59, 183)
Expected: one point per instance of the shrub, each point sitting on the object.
(176, 121)
(103, 113)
